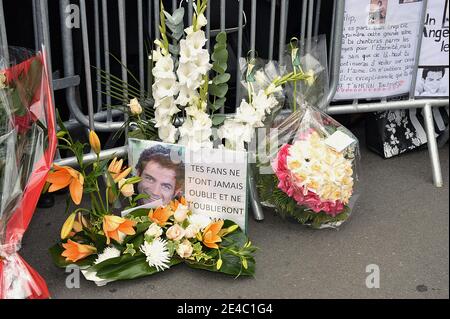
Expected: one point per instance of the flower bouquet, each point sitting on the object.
(146, 241)
(313, 166)
(190, 87)
(27, 149)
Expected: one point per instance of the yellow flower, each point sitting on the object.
(67, 226)
(95, 142)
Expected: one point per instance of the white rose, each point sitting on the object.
(181, 213)
(154, 231)
(185, 249)
(135, 107)
(127, 190)
(199, 221)
(175, 232)
(191, 231)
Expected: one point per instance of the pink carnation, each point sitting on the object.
(287, 184)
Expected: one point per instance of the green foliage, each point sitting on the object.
(219, 84)
(287, 206)
(175, 24)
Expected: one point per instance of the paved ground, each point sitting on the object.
(401, 224)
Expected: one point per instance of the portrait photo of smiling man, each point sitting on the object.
(161, 170)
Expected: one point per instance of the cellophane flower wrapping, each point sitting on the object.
(27, 149)
(309, 56)
(311, 169)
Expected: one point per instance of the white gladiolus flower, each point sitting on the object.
(164, 68)
(157, 254)
(201, 21)
(197, 39)
(154, 231)
(235, 134)
(156, 54)
(189, 75)
(263, 103)
(167, 133)
(164, 87)
(108, 253)
(246, 113)
(273, 89)
(186, 95)
(260, 78)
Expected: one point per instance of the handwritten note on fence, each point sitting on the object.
(378, 48)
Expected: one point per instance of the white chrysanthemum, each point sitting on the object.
(157, 254)
(108, 253)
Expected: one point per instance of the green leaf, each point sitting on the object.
(136, 268)
(221, 78)
(218, 119)
(219, 90)
(218, 68)
(220, 55)
(221, 37)
(130, 250)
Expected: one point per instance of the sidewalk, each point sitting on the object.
(401, 224)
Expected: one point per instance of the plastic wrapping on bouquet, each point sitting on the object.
(27, 150)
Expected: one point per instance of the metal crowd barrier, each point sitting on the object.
(147, 25)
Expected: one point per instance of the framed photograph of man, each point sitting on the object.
(213, 181)
(161, 168)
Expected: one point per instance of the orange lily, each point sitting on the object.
(115, 169)
(160, 215)
(64, 176)
(95, 142)
(74, 251)
(112, 225)
(211, 234)
(174, 204)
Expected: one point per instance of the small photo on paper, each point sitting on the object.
(162, 170)
(408, 1)
(377, 12)
(445, 23)
(432, 81)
